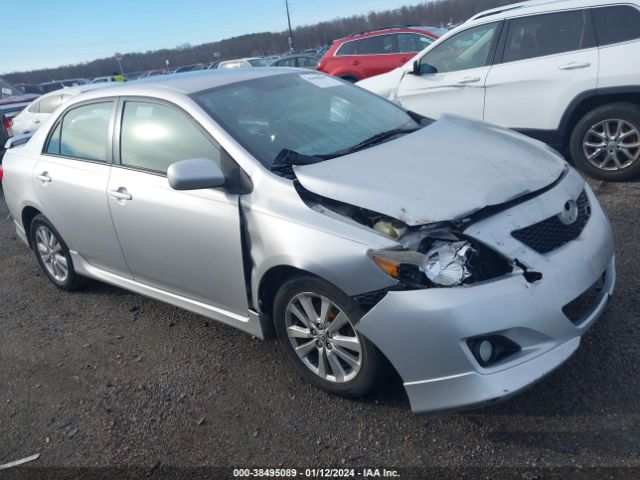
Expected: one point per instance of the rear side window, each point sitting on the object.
(307, 62)
(85, 132)
(347, 48)
(412, 42)
(286, 62)
(154, 136)
(616, 24)
(35, 107)
(380, 44)
(548, 34)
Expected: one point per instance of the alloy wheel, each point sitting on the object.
(323, 337)
(51, 254)
(612, 144)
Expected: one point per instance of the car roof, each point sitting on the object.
(191, 82)
(382, 30)
(537, 6)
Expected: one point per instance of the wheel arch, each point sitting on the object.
(28, 214)
(590, 100)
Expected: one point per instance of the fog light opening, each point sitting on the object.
(489, 350)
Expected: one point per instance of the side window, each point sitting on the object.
(307, 62)
(379, 44)
(616, 24)
(154, 136)
(85, 132)
(287, 62)
(53, 147)
(35, 107)
(549, 34)
(50, 103)
(412, 42)
(347, 48)
(467, 49)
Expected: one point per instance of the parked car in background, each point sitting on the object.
(8, 90)
(189, 68)
(244, 62)
(9, 108)
(274, 198)
(32, 116)
(30, 88)
(556, 71)
(51, 86)
(296, 61)
(364, 54)
(105, 79)
(151, 73)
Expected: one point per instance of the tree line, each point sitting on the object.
(435, 13)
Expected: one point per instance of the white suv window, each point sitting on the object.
(620, 23)
(548, 34)
(467, 49)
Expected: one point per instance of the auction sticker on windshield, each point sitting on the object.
(321, 81)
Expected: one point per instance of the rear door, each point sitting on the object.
(184, 242)
(376, 55)
(548, 61)
(452, 75)
(71, 178)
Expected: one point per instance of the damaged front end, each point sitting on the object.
(433, 255)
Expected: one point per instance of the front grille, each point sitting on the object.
(581, 307)
(552, 233)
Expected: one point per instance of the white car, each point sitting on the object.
(29, 119)
(560, 71)
(245, 62)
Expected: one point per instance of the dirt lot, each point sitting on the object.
(106, 377)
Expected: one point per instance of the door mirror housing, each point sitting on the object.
(195, 174)
(423, 68)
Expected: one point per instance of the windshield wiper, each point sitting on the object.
(371, 141)
(284, 161)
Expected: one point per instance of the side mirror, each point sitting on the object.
(195, 174)
(423, 68)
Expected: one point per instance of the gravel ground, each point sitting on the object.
(106, 377)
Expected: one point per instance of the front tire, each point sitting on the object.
(315, 322)
(605, 143)
(53, 255)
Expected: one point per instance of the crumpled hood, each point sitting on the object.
(444, 171)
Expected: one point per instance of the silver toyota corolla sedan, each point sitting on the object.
(466, 257)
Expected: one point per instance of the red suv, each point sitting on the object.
(365, 54)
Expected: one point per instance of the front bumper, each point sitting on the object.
(424, 333)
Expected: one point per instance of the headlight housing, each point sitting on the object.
(440, 257)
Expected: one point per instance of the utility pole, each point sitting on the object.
(286, 2)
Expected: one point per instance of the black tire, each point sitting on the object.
(72, 281)
(627, 112)
(350, 79)
(374, 367)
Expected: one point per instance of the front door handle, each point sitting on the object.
(120, 194)
(44, 177)
(36, 121)
(469, 80)
(574, 65)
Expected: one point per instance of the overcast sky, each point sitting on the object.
(48, 33)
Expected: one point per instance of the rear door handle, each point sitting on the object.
(469, 80)
(120, 194)
(36, 121)
(355, 62)
(44, 177)
(574, 65)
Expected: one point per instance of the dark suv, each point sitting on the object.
(365, 54)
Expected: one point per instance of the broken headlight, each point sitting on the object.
(440, 258)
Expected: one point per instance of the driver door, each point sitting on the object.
(183, 242)
(451, 76)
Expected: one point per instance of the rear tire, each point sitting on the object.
(53, 255)
(605, 143)
(328, 352)
(349, 79)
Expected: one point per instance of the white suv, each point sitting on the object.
(566, 72)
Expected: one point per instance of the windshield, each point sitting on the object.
(259, 62)
(308, 113)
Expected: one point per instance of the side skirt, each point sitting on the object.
(251, 324)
